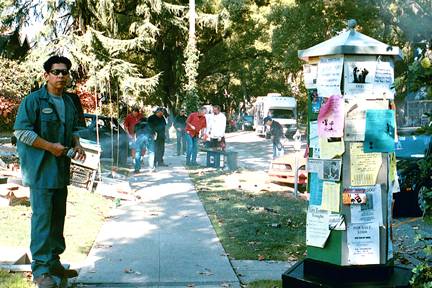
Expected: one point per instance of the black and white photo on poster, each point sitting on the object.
(359, 74)
(332, 169)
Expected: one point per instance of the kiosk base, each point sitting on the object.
(310, 274)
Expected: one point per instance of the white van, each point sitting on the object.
(281, 108)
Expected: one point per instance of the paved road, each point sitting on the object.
(254, 152)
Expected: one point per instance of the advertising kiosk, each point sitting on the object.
(351, 165)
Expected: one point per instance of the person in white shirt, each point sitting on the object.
(216, 129)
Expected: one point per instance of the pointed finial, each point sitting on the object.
(352, 23)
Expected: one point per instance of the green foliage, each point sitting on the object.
(136, 50)
(422, 273)
(265, 284)
(418, 76)
(425, 166)
(422, 276)
(16, 82)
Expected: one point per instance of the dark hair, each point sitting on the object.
(135, 109)
(217, 107)
(55, 60)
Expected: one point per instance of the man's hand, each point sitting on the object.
(56, 149)
(192, 126)
(80, 154)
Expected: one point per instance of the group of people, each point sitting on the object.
(148, 135)
(47, 137)
(46, 129)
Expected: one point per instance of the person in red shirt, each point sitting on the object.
(129, 125)
(194, 124)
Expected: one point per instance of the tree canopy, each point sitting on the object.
(136, 50)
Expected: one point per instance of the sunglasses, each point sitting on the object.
(57, 72)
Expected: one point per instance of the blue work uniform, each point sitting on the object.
(46, 175)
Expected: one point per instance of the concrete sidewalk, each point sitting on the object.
(164, 239)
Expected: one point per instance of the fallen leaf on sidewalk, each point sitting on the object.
(207, 272)
(128, 270)
(102, 246)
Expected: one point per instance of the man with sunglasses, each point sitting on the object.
(46, 128)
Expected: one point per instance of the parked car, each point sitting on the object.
(283, 170)
(413, 183)
(112, 137)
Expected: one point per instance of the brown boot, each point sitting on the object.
(45, 281)
(61, 272)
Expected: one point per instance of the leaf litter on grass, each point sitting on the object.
(253, 219)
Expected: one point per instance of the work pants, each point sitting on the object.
(191, 149)
(278, 150)
(145, 142)
(47, 224)
(181, 142)
(159, 150)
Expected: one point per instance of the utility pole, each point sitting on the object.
(191, 65)
(192, 22)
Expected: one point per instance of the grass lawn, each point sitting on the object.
(12, 280)
(253, 225)
(85, 215)
(265, 284)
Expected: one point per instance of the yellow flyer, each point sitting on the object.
(330, 196)
(331, 149)
(364, 167)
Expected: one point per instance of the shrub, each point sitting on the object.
(15, 84)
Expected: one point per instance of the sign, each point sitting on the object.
(310, 73)
(315, 189)
(363, 244)
(329, 75)
(331, 117)
(355, 117)
(326, 169)
(380, 131)
(384, 78)
(317, 226)
(314, 139)
(371, 211)
(330, 196)
(364, 167)
(359, 75)
(331, 147)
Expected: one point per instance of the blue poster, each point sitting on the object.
(380, 131)
(316, 188)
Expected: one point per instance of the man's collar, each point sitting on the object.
(44, 92)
